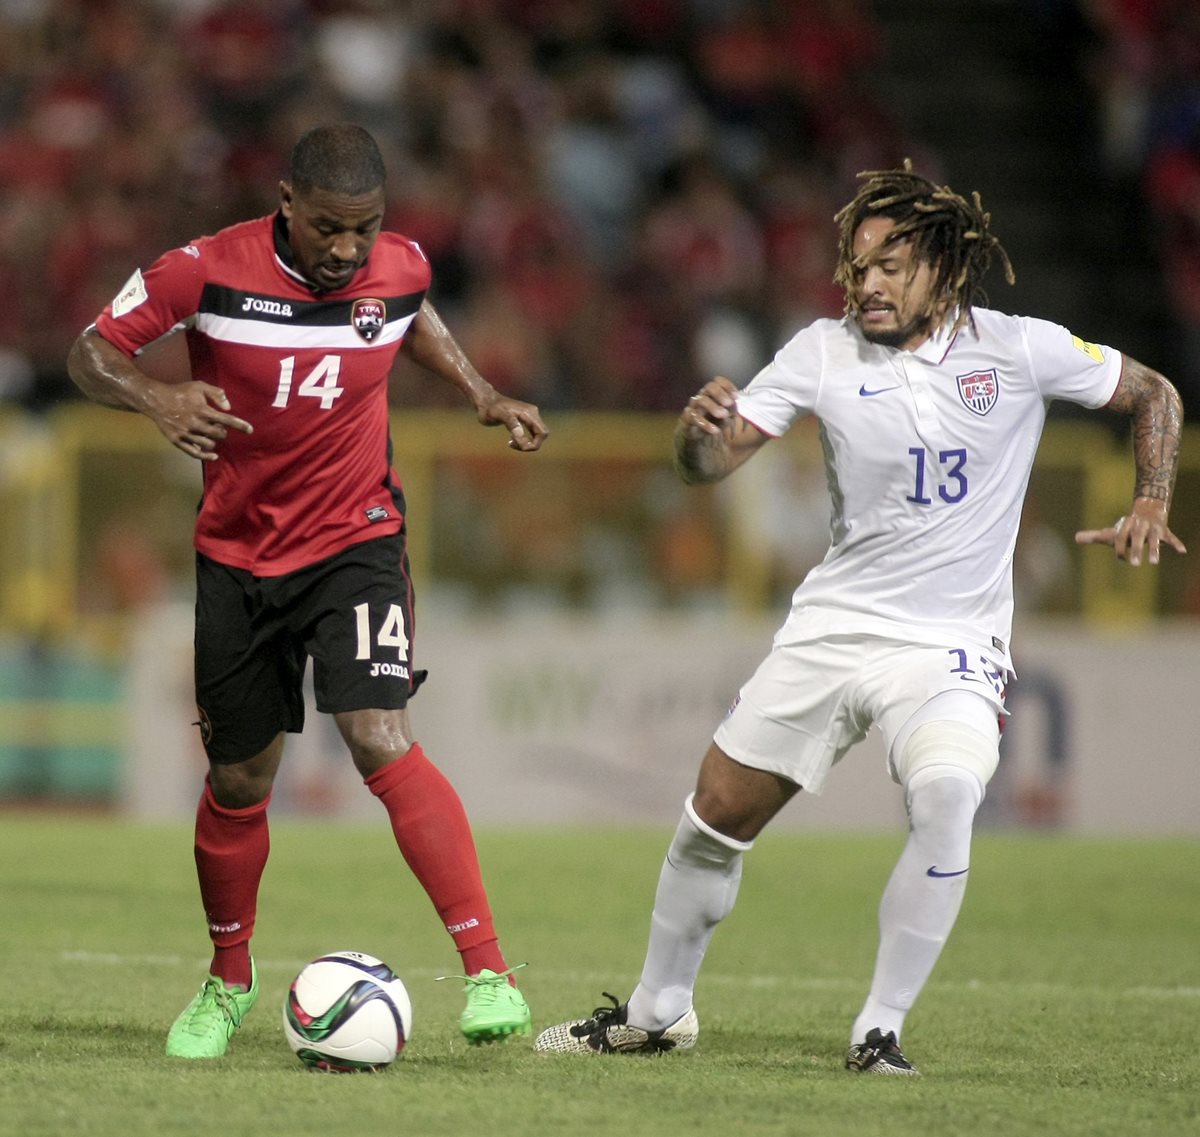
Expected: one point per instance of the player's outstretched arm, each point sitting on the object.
(430, 344)
(711, 438)
(1157, 413)
(193, 416)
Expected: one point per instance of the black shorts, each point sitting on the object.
(352, 613)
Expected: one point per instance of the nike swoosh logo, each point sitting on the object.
(866, 394)
(932, 871)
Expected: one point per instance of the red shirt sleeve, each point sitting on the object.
(155, 302)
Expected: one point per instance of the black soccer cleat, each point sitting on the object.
(879, 1054)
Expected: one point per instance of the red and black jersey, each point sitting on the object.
(307, 370)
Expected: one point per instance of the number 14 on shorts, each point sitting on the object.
(391, 632)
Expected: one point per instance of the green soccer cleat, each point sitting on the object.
(495, 1008)
(210, 1019)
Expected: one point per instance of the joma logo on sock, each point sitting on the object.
(220, 929)
(471, 923)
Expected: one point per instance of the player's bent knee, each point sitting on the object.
(736, 801)
(236, 787)
(696, 841)
(375, 737)
(944, 746)
(942, 802)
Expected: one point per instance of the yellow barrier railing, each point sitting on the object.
(601, 482)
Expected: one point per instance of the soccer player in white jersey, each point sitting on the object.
(930, 411)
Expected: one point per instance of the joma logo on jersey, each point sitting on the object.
(979, 390)
(368, 318)
(395, 670)
(267, 307)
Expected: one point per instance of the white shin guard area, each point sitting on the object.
(924, 894)
(696, 891)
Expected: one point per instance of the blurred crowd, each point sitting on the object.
(618, 196)
(1146, 73)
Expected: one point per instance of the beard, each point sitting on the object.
(918, 325)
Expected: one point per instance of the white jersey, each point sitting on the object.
(928, 455)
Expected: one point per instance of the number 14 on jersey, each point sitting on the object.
(320, 383)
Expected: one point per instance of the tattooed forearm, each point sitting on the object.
(701, 458)
(1157, 413)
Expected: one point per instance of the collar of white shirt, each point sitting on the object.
(935, 349)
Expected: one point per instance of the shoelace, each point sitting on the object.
(490, 987)
(885, 1047)
(602, 1015)
(885, 1044)
(602, 1018)
(224, 1000)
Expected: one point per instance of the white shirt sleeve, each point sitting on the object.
(1066, 367)
(787, 387)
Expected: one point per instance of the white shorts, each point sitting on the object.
(809, 702)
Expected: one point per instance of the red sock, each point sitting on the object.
(434, 835)
(231, 853)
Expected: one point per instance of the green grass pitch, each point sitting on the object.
(1066, 1002)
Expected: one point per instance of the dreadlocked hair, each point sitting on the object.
(948, 232)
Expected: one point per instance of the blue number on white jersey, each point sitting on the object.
(951, 472)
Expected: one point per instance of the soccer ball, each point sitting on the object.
(347, 1012)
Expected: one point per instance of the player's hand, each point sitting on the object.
(194, 417)
(525, 427)
(711, 410)
(1144, 527)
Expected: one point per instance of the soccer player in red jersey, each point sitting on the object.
(293, 322)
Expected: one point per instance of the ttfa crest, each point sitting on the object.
(979, 390)
(368, 318)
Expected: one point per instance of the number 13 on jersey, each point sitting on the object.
(947, 474)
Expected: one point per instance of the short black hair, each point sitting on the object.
(340, 158)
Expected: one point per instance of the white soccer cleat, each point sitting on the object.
(879, 1054)
(607, 1032)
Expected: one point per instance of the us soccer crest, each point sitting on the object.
(979, 390)
(368, 318)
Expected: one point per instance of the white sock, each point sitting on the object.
(918, 908)
(696, 890)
